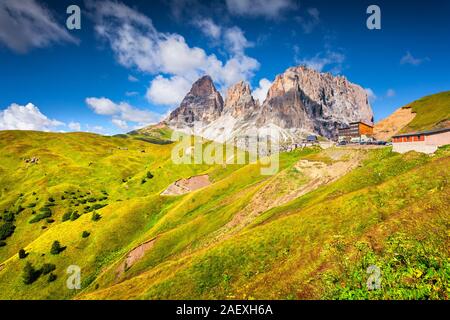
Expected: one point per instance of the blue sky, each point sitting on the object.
(133, 61)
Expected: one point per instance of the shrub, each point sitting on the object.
(8, 217)
(30, 274)
(50, 220)
(52, 277)
(85, 234)
(51, 199)
(47, 268)
(66, 216)
(149, 175)
(2, 244)
(22, 254)
(143, 181)
(6, 230)
(32, 205)
(56, 248)
(98, 206)
(45, 212)
(92, 199)
(96, 216)
(74, 216)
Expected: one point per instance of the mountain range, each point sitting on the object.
(300, 101)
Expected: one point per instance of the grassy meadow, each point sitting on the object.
(245, 236)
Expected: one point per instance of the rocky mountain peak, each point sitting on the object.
(203, 87)
(300, 101)
(203, 104)
(239, 101)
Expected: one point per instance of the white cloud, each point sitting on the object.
(311, 21)
(260, 93)
(122, 124)
(322, 60)
(390, 93)
(137, 44)
(95, 129)
(132, 78)
(270, 9)
(103, 106)
(168, 91)
(26, 24)
(74, 126)
(370, 94)
(28, 117)
(235, 40)
(408, 58)
(122, 112)
(209, 28)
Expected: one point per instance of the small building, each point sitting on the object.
(425, 141)
(312, 139)
(355, 130)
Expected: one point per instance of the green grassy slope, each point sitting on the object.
(77, 173)
(225, 240)
(432, 112)
(319, 245)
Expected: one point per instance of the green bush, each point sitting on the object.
(52, 277)
(9, 217)
(56, 248)
(98, 206)
(2, 244)
(45, 212)
(85, 234)
(6, 230)
(149, 175)
(74, 216)
(410, 269)
(30, 274)
(66, 216)
(22, 254)
(47, 268)
(96, 216)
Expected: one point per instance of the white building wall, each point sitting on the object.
(430, 145)
(419, 146)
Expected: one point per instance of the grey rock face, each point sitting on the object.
(317, 102)
(239, 102)
(202, 104)
(300, 100)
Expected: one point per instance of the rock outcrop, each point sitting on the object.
(203, 104)
(300, 101)
(239, 102)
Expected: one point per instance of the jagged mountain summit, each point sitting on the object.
(202, 104)
(301, 101)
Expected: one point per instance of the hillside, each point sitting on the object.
(310, 231)
(427, 113)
